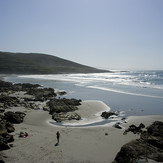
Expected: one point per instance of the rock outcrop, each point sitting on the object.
(16, 117)
(17, 95)
(58, 108)
(9, 86)
(135, 129)
(8, 101)
(63, 105)
(149, 146)
(42, 94)
(106, 115)
(59, 117)
(5, 128)
(54, 105)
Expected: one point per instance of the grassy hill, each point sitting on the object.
(35, 63)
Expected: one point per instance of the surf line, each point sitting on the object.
(128, 93)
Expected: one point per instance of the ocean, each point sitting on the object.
(133, 92)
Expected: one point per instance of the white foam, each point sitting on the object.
(118, 91)
(105, 81)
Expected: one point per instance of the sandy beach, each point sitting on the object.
(77, 144)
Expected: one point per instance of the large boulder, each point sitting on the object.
(154, 135)
(150, 146)
(16, 117)
(9, 101)
(5, 86)
(5, 128)
(9, 127)
(4, 145)
(3, 124)
(59, 109)
(42, 94)
(106, 115)
(63, 105)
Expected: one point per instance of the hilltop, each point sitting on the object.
(37, 63)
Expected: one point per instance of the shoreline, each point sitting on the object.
(90, 112)
(93, 144)
(131, 104)
(76, 144)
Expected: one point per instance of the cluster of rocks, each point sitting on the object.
(106, 115)
(7, 102)
(42, 94)
(63, 105)
(9, 86)
(6, 127)
(39, 94)
(149, 146)
(59, 117)
(53, 105)
(16, 117)
(135, 129)
(59, 109)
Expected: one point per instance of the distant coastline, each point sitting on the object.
(37, 63)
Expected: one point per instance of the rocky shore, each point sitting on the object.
(30, 96)
(149, 147)
(18, 102)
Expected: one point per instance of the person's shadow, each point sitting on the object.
(57, 144)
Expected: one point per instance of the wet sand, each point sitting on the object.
(77, 144)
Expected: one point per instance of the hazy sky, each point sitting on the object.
(113, 34)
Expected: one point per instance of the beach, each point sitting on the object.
(88, 140)
(93, 144)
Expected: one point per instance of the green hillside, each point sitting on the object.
(35, 63)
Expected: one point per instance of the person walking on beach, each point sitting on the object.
(58, 135)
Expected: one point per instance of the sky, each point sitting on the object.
(108, 34)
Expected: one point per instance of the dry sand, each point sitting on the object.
(77, 144)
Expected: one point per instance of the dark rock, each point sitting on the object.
(46, 108)
(123, 118)
(72, 102)
(137, 149)
(5, 86)
(135, 129)
(63, 105)
(42, 94)
(150, 145)
(106, 115)
(14, 117)
(2, 110)
(4, 145)
(117, 125)
(9, 101)
(3, 129)
(5, 138)
(10, 127)
(20, 114)
(1, 160)
(59, 117)
(154, 134)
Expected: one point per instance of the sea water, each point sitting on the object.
(134, 92)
